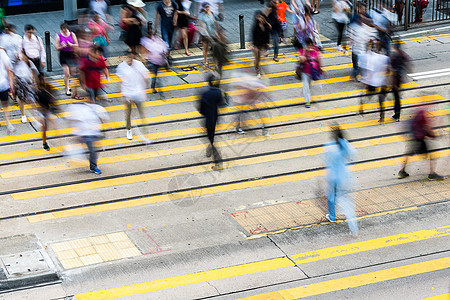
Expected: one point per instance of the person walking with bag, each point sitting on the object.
(338, 152)
(6, 86)
(99, 33)
(155, 50)
(131, 22)
(340, 18)
(66, 42)
(208, 29)
(310, 68)
(134, 75)
(34, 48)
(400, 64)
(272, 18)
(91, 69)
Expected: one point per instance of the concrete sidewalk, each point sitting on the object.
(50, 21)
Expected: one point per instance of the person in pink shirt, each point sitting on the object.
(155, 50)
(99, 30)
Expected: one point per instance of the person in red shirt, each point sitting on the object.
(91, 69)
(281, 12)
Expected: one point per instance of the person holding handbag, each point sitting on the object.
(311, 68)
(130, 20)
(65, 42)
(99, 32)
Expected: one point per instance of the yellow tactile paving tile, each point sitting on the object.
(355, 281)
(279, 217)
(214, 190)
(264, 265)
(94, 249)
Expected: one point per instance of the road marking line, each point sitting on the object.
(199, 169)
(193, 170)
(177, 150)
(192, 86)
(383, 242)
(217, 189)
(439, 297)
(228, 272)
(356, 280)
(428, 72)
(430, 76)
(182, 280)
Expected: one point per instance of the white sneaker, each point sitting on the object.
(24, 119)
(129, 135)
(340, 48)
(258, 76)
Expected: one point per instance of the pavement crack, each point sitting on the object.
(214, 288)
(286, 255)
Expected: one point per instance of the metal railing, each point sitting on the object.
(414, 12)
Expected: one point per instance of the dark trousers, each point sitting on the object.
(154, 69)
(396, 91)
(381, 97)
(37, 63)
(340, 27)
(89, 141)
(355, 62)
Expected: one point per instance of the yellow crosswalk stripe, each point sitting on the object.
(439, 297)
(187, 149)
(159, 135)
(251, 58)
(204, 191)
(252, 268)
(355, 281)
(164, 174)
(187, 86)
(357, 247)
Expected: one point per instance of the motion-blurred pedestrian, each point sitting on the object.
(338, 153)
(261, 38)
(166, 17)
(183, 23)
(282, 7)
(25, 74)
(134, 75)
(47, 108)
(305, 27)
(311, 68)
(251, 94)
(340, 18)
(34, 48)
(210, 101)
(11, 42)
(101, 7)
(400, 65)
(421, 130)
(99, 33)
(91, 69)
(208, 29)
(375, 67)
(131, 22)
(272, 18)
(86, 119)
(6, 86)
(155, 50)
(66, 42)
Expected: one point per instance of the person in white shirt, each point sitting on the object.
(134, 76)
(34, 48)
(375, 66)
(101, 7)
(6, 85)
(339, 15)
(11, 42)
(86, 118)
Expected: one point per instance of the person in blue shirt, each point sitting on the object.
(166, 13)
(338, 152)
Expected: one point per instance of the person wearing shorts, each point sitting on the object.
(6, 85)
(65, 42)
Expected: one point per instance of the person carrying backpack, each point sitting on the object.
(421, 131)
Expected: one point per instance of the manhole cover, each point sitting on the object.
(25, 263)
